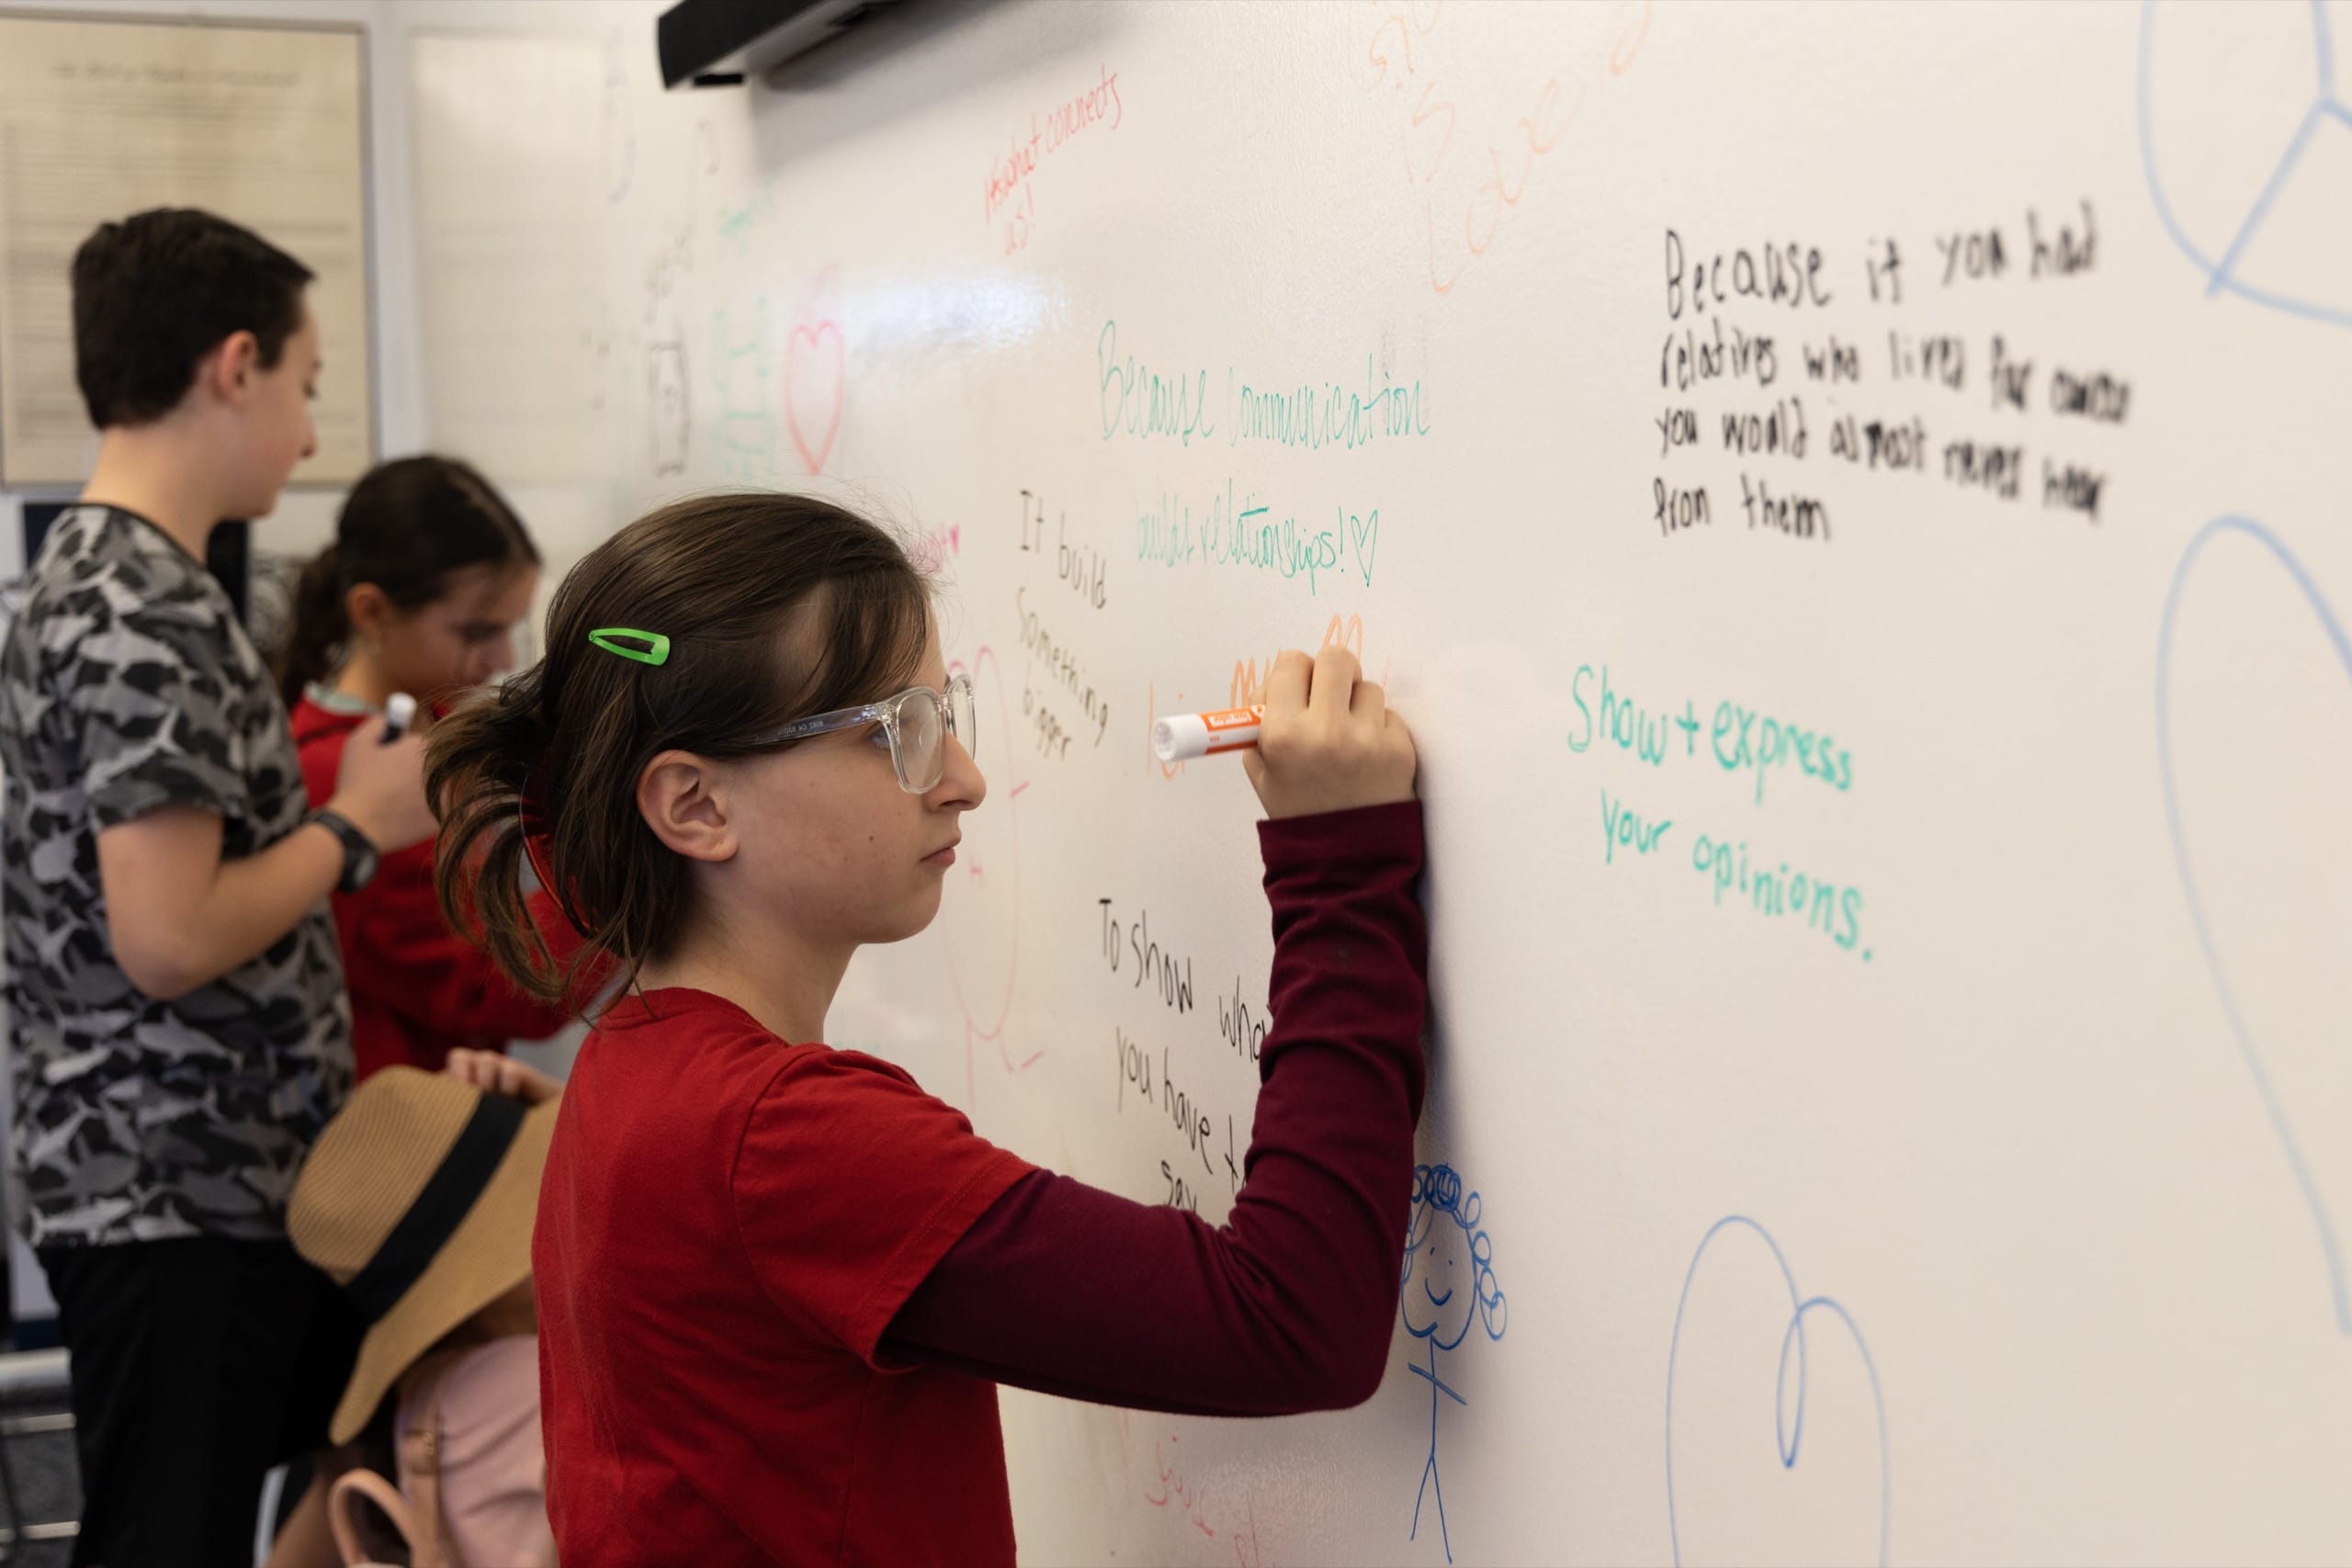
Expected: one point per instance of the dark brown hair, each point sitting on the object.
(406, 527)
(723, 577)
(155, 293)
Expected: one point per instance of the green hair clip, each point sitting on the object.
(655, 652)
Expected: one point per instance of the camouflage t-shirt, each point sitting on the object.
(127, 685)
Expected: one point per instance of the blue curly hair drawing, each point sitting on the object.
(1447, 1283)
(1444, 1246)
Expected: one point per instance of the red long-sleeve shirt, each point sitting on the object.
(777, 1283)
(418, 989)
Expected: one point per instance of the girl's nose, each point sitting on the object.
(961, 784)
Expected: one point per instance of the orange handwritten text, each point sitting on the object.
(1464, 181)
(1168, 1487)
(1248, 686)
(1011, 192)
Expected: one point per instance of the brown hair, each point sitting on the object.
(722, 577)
(407, 527)
(155, 293)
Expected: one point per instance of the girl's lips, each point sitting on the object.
(942, 858)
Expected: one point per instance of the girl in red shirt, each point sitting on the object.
(429, 574)
(777, 1283)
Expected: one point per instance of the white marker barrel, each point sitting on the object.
(400, 711)
(1182, 737)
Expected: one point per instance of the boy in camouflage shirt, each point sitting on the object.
(175, 997)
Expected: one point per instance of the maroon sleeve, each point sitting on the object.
(1290, 1306)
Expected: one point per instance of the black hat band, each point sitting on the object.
(448, 1197)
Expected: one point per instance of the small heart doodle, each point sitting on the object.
(815, 373)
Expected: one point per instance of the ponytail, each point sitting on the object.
(321, 627)
(480, 761)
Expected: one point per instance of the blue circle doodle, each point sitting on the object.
(1788, 1431)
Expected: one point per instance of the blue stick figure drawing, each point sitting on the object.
(1449, 1279)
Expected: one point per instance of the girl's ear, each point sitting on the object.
(680, 796)
(367, 610)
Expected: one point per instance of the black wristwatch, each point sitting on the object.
(359, 856)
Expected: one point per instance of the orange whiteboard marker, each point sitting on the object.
(1182, 737)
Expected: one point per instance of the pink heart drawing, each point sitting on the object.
(815, 367)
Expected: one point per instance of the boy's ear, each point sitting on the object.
(680, 796)
(228, 371)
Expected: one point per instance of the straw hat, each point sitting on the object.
(418, 1199)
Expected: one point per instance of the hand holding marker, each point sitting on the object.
(1322, 740)
(1182, 737)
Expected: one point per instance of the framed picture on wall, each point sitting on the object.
(264, 125)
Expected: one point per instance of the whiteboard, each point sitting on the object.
(1850, 501)
(102, 120)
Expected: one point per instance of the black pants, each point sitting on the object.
(197, 1365)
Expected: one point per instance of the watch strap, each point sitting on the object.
(360, 855)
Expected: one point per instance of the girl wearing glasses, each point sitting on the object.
(777, 1283)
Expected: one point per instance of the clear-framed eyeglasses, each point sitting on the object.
(914, 725)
